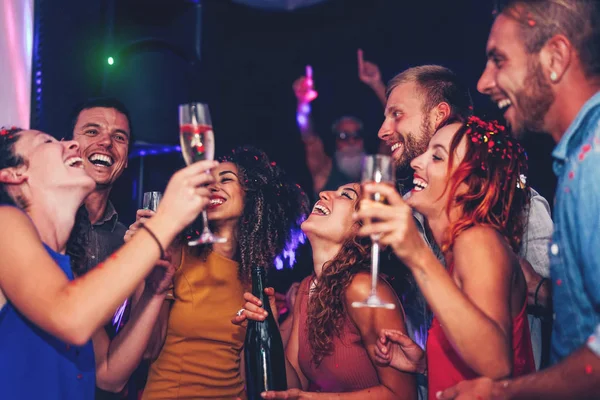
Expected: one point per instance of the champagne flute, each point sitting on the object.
(379, 169)
(198, 143)
(151, 200)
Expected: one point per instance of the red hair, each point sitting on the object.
(494, 171)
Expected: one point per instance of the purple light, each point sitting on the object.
(142, 152)
(302, 120)
(289, 252)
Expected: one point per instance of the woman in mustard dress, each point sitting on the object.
(255, 208)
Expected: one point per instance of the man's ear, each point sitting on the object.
(440, 114)
(12, 176)
(556, 57)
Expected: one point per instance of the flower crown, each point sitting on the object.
(4, 131)
(499, 145)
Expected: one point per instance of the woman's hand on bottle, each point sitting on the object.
(186, 195)
(253, 308)
(399, 351)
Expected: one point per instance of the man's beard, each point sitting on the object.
(533, 101)
(415, 145)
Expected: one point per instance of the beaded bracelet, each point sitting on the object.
(162, 251)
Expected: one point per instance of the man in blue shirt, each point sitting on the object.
(543, 71)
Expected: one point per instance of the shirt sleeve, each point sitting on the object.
(586, 216)
(537, 236)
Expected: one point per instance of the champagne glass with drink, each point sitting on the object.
(198, 143)
(379, 169)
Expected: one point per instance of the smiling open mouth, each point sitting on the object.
(101, 160)
(75, 162)
(215, 202)
(504, 104)
(320, 209)
(420, 184)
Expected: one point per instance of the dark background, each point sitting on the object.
(248, 61)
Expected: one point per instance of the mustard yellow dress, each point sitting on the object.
(201, 355)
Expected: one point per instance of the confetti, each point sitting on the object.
(584, 150)
(571, 175)
(559, 282)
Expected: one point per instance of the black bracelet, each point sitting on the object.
(162, 251)
(537, 289)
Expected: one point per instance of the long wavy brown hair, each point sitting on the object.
(494, 171)
(326, 311)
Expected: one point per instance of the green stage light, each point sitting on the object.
(111, 61)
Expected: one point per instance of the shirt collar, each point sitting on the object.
(562, 148)
(110, 216)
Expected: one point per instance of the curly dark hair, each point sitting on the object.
(274, 208)
(494, 170)
(9, 159)
(326, 311)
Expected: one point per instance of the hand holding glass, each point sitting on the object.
(198, 143)
(379, 169)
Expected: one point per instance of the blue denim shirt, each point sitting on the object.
(574, 260)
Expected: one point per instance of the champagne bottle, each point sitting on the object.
(263, 347)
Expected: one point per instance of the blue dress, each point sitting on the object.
(35, 364)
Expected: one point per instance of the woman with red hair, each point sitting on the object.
(470, 186)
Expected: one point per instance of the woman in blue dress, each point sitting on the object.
(47, 317)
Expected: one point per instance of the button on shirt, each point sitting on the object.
(102, 238)
(574, 260)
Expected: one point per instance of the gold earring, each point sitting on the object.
(553, 76)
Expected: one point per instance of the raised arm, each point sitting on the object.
(74, 310)
(318, 162)
(370, 75)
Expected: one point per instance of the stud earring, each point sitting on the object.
(553, 76)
